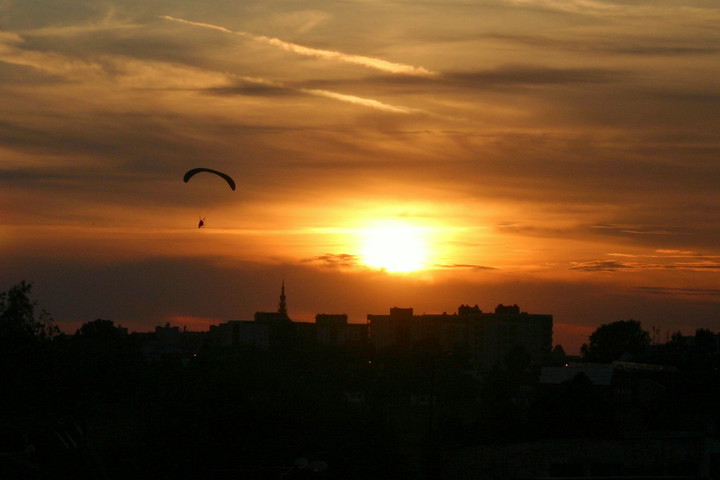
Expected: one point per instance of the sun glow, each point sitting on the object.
(395, 247)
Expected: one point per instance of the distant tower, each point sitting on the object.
(282, 308)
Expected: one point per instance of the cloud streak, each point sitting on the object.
(614, 266)
(135, 73)
(335, 260)
(617, 9)
(365, 102)
(331, 55)
(602, 266)
(465, 266)
(673, 291)
(260, 86)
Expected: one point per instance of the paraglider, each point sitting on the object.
(190, 173)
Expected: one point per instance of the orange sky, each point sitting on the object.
(558, 155)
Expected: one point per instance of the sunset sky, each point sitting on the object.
(562, 155)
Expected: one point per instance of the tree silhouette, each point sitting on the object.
(25, 350)
(100, 330)
(611, 341)
(18, 322)
(705, 341)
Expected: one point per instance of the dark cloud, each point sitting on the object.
(530, 75)
(465, 266)
(659, 262)
(11, 74)
(533, 230)
(635, 230)
(695, 266)
(675, 291)
(625, 45)
(502, 77)
(684, 227)
(254, 90)
(603, 266)
(38, 13)
(335, 260)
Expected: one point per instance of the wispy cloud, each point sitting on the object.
(602, 266)
(696, 266)
(632, 229)
(134, 73)
(633, 44)
(677, 253)
(673, 291)
(594, 7)
(332, 55)
(615, 265)
(335, 260)
(571, 6)
(259, 86)
(366, 102)
(124, 71)
(465, 266)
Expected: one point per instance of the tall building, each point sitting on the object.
(245, 333)
(488, 337)
(268, 328)
(280, 316)
(334, 329)
(282, 307)
(492, 337)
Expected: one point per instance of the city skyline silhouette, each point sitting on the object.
(347, 239)
(424, 396)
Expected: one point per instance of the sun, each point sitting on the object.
(395, 247)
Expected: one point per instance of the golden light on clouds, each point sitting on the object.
(369, 62)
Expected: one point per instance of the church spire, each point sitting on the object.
(282, 308)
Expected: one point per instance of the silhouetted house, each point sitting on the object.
(278, 330)
(403, 328)
(674, 456)
(356, 397)
(639, 397)
(272, 318)
(489, 337)
(334, 329)
(241, 333)
(507, 309)
(168, 335)
(598, 374)
(168, 343)
(494, 336)
(268, 330)
(275, 318)
(302, 334)
(468, 310)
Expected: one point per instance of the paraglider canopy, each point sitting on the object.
(190, 173)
